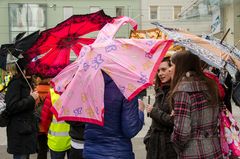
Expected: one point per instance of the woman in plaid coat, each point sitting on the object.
(195, 100)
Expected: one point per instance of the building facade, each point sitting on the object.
(31, 15)
(231, 19)
(225, 14)
(167, 12)
(197, 16)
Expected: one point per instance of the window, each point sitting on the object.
(119, 11)
(176, 11)
(94, 9)
(153, 12)
(24, 17)
(67, 12)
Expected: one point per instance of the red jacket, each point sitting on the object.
(220, 87)
(46, 114)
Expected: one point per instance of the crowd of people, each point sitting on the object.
(184, 117)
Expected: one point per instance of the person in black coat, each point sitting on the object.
(22, 126)
(157, 140)
(77, 141)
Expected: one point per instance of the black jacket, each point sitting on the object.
(157, 140)
(76, 130)
(22, 127)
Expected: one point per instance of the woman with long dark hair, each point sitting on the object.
(157, 140)
(195, 100)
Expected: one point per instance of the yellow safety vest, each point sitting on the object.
(7, 79)
(58, 136)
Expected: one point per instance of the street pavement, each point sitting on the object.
(138, 146)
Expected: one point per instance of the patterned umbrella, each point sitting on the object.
(232, 50)
(131, 63)
(154, 33)
(51, 52)
(204, 48)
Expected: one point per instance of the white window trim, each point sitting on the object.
(173, 11)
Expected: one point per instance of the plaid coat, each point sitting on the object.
(195, 134)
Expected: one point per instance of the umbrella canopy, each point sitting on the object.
(154, 33)
(131, 63)
(203, 48)
(20, 46)
(51, 53)
(232, 50)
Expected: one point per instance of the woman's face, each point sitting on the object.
(172, 70)
(164, 73)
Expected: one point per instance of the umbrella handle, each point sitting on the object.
(31, 89)
(148, 114)
(224, 36)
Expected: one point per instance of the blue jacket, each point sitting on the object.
(122, 121)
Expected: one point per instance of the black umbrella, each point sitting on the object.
(18, 47)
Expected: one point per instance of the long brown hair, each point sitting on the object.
(157, 79)
(185, 62)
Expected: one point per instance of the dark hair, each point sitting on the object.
(185, 62)
(157, 79)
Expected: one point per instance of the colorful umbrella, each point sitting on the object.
(154, 33)
(131, 63)
(147, 34)
(20, 46)
(232, 50)
(203, 48)
(51, 53)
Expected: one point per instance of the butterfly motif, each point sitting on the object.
(97, 61)
(77, 111)
(110, 48)
(143, 79)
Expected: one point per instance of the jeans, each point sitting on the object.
(20, 156)
(59, 155)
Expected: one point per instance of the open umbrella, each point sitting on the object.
(232, 50)
(20, 46)
(51, 52)
(131, 63)
(203, 48)
(154, 33)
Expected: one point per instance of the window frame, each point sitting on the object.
(120, 7)
(28, 28)
(150, 15)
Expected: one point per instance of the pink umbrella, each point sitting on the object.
(131, 63)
